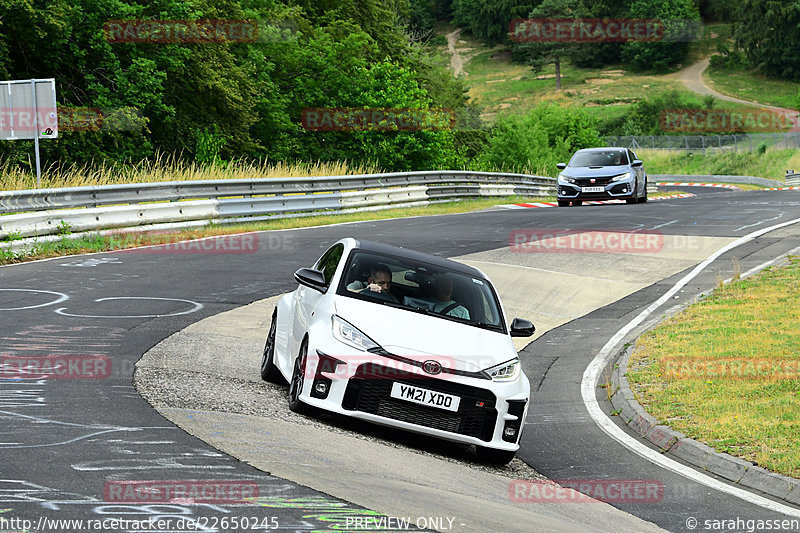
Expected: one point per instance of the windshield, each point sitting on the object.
(608, 158)
(421, 288)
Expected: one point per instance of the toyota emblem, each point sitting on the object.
(431, 367)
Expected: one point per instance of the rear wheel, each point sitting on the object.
(493, 456)
(298, 379)
(269, 372)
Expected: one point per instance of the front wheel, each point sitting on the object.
(643, 199)
(494, 456)
(269, 372)
(576, 203)
(563, 203)
(298, 379)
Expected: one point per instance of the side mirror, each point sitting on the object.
(522, 328)
(311, 278)
(561, 166)
(636, 163)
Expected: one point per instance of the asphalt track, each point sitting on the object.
(65, 440)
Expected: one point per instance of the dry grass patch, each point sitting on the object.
(169, 169)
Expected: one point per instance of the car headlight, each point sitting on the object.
(621, 177)
(508, 371)
(347, 333)
(568, 179)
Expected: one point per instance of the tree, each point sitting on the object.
(769, 33)
(676, 15)
(538, 53)
(489, 20)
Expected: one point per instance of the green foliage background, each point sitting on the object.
(213, 102)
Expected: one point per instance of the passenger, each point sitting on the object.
(444, 304)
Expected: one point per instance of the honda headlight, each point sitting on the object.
(566, 178)
(347, 333)
(621, 177)
(508, 371)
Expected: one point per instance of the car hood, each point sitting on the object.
(412, 334)
(599, 172)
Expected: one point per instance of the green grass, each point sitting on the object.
(122, 240)
(772, 164)
(162, 168)
(754, 87)
(501, 86)
(726, 370)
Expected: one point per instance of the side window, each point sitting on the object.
(329, 261)
(631, 156)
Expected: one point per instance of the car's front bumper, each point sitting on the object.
(490, 413)
(618, 189)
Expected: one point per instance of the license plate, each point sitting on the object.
(401, 391)
(593, 189)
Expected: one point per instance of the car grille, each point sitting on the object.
(586, 182)
(368, 391)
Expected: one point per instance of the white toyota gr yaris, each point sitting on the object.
(403, 339)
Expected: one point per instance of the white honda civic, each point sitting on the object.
(403, 339)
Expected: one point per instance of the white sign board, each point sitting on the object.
(28, 109)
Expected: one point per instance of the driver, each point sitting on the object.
(444, 304)
(379, 280)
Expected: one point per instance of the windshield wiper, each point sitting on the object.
(420, 310)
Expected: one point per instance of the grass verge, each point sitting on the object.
(125, 240)
(754, 87)
(163, 168)
(726, 371)
(771, 164)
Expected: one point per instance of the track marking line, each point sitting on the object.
(592, 374)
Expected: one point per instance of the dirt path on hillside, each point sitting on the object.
(692, 78)
(456, 62)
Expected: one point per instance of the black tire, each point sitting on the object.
(576, 203)
(298, 380)
(270, 372)
(643, 199)
(563, 203)
(634, 199)
(493, 456)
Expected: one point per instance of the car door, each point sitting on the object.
(639, 171)
(306, 299)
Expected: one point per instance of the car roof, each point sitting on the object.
(604, 149)
(405, 253)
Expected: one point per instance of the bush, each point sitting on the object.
(645, 118)
(536, 141)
